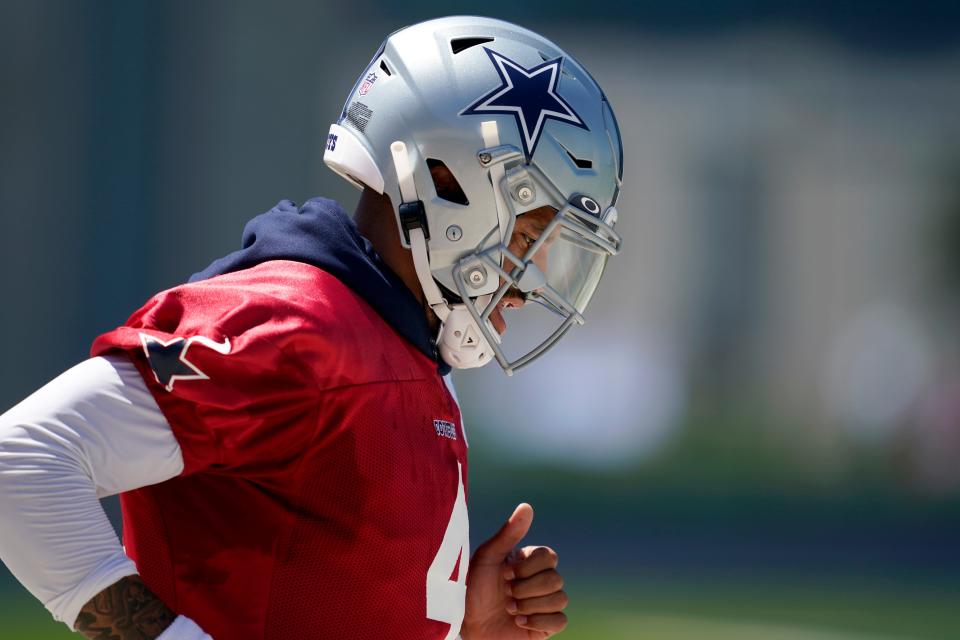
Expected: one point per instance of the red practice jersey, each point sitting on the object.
(324, 485)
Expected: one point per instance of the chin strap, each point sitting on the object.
(461, 343)
(414, 221)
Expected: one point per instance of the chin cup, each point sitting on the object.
(462, 345)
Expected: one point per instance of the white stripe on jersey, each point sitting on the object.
(448, 379)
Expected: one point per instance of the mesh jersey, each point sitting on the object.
(324, 463)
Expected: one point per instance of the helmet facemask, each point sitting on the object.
(558, 265)
(559, 270)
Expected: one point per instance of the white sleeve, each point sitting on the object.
(93, 431)
(183, 628)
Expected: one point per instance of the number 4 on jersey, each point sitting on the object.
(446, 597)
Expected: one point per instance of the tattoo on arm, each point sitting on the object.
(126, 610)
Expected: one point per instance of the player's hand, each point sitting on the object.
(514, 594)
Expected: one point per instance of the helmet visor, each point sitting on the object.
(570, 253)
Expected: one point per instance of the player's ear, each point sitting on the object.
(444, 182)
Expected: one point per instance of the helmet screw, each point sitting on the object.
(525, 193)
(485, 158)
(477, 277)
(454, 233)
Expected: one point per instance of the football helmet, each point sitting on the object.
(520, 126)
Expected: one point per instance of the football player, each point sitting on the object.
(289, 455)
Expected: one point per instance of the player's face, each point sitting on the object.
(526, 230)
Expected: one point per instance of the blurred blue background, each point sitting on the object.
(757, 433)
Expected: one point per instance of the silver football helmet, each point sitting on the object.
(520, 126)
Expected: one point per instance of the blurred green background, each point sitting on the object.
(757, 433)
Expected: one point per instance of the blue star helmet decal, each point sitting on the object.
(529, 95)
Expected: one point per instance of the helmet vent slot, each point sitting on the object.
(563, 68)
(582, 163)
(462, 44)
(385, 68)
(445, 183)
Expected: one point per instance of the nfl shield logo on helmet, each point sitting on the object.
(367, 83)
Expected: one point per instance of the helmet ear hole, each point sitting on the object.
(445, 183)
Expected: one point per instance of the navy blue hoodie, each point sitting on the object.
(320, 233)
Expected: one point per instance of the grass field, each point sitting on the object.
(765, 611)
(680, 610)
